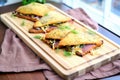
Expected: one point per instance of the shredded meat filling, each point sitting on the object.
(80, 52)
(87, 48)
(53, 43)
(42, 29)
(30, 17)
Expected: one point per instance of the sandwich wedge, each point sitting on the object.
(80, 41)
(79, 36)
(50, 20)
(33, 11)
(75, 40)
(61, 31)
(52, 17)
(53, 37)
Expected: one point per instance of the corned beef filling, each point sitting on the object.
(42, 29)
(45, 29)
(79, 50)
(31, 17)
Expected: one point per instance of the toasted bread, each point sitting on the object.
(51, 17)
(34, 8)
(33, 11)
(61, 31)
(78, 36)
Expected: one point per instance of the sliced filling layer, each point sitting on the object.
(30, 17)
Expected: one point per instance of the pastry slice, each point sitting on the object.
(49, 22)
(53, 37)
(52, 17)
(61, 31)
(80, 36)
(33, 11)
(80, 41)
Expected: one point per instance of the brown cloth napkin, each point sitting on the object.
(17, 57)
(82, 16)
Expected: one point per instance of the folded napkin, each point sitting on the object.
(17, 57)
(82, 16)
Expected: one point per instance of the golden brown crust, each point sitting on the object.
(61, 31)
(37, 24)
(35, 31)
(33, 11)
(51, 18)
(34, 8)
(78, 37)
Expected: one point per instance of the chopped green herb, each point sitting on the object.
(57, 49)
(25, 2)
(12, 15)
(64, 27)
(38, 37)
(61, 27)
(74, 31)
(33, 3)
(46, 15)
(91, 32)
(66, 53)
(67, 27)
(23, 23)
(41, 1)
(81, 46)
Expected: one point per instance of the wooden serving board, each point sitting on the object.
(66, 67)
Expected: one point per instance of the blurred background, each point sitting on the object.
(104, 12)
(8, 2)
